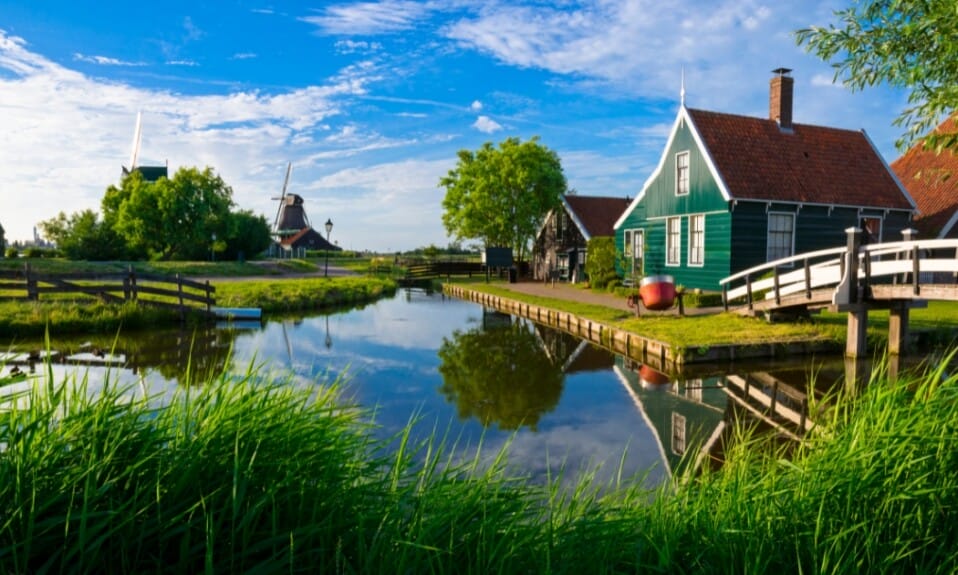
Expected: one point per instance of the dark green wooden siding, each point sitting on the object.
(660, 200)
(816, 228)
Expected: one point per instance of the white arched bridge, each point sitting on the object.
(855, 278)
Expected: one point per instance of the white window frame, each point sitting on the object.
(768, 236)
(627, 243)
(638, 249)
(682, 184)
(693, 248)
(670, 249)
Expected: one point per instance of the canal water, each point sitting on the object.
(479, 378)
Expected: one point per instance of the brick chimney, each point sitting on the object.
(780, 98)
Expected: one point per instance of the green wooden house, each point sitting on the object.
(731, 192)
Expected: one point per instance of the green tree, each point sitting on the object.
(600, 264)
(910, 44)
(170, 218)
(83, 236)
(502, 195)
(3, 240)
(247, 235)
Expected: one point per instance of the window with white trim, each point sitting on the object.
(781, 236)
(627, 241)
(673, 242)
(697, 240)
(681, 173)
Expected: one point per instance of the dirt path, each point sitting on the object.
(572, 293)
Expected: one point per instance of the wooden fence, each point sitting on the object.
(157, 290)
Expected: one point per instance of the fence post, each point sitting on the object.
(209, 299)
(808, 280)
(179, 291)
(133, 294)
(915, 270)
(32, 293)
(126, 283)
(775, 281)
(847, 291)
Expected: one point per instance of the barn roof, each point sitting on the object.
(932, 180)
(595, 214)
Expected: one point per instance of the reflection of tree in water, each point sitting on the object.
(500, 375)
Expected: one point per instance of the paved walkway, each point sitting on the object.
(560, 290)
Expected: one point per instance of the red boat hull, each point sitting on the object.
(657, 292)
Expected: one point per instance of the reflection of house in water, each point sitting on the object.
(574, 354)
(696, 413)
(682, 415)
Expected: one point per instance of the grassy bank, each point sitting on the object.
(239, 474)
(678, 331)
(76, 313)
(936, 325)
(276, 296)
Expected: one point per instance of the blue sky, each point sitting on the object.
(370, 101)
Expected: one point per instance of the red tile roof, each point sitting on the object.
(932, 180)
(807, 164)
(597, 214)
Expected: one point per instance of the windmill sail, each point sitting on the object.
(282, 198)
(135, 151)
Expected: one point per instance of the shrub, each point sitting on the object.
(600, 265)
(12, 253)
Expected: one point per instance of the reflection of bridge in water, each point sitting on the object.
(896, 276)
(700, 412)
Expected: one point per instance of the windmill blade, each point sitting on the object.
(136, 141)
(282, 198)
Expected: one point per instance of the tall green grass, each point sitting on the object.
(254, 473)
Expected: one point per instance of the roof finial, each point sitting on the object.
(682, 91)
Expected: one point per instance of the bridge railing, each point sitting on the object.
(899, 262)
(785, 276)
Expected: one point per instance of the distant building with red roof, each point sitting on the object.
(561, 243)
(931, 179)
(731, 192)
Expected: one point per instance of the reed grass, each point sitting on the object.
(250, 472)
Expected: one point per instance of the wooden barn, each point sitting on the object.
(731, 192)
(560, 245)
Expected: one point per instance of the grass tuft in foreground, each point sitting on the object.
(249, 473)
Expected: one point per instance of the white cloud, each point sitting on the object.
(103, 60)
(243, 56)
(360, 18)
(66, 135)
(353, 46)
(476, 106)
(189, 63)
(486, 125)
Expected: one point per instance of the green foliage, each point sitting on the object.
(12, 252)
(3, 240)
(169, 219)
(502, 195)
(600, 264)
(83, 236)
(911, 44)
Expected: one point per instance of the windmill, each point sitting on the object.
(290, 214)
(149, 173)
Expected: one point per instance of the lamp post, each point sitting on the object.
(329, 228)
(213, 248)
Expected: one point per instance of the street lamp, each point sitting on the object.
(213, 248)
(329, 228)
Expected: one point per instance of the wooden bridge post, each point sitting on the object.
(897, 327)
(908, 235)
(847, 298)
